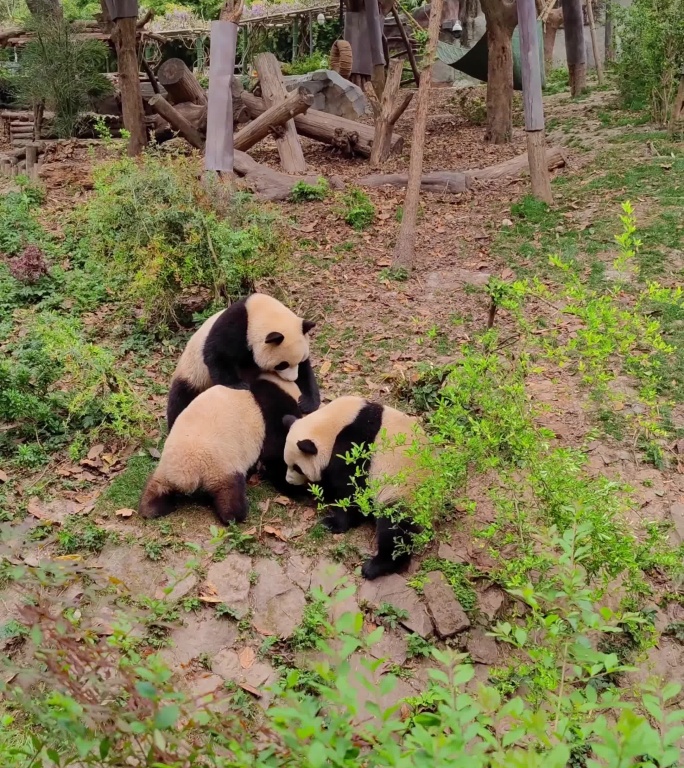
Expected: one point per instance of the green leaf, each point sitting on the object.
(317, 754)
(105, 746)
(167, 717)
(146, 689)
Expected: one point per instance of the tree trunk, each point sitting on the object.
(273, 91)
(594, 42)
(386, 112)
(123, 36)
(404, 251)
(551, 27)
(608, 33)
(573, 26)
(180, 84)
(42, 8)
(678, 105)
(348, 136)
(501, 20)
(298, 101)
(407, 45)
(174, 118)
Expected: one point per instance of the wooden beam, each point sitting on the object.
(179, 82)
(297, 101)
(386, 110)
(174, 118)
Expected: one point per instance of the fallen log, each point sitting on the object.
(177, 121)
(297, 101)
(460, 181)
(269, 184)
(346, 135)
(179, 83)
(274, 93)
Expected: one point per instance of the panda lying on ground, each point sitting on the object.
(254, 335)
(215, 443)
(313, 449)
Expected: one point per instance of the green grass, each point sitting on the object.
(125, 490)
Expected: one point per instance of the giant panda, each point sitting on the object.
(217, 440)
(233, 346)
(314, 451)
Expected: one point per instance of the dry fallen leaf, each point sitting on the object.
(282, 500)
(95, 451)
(325, 367)
(264, 506)
(71, 558)
(250, 689)
(247, 657)
(154, 453)
(35, 508)
(275, 532)
(250, 531)
(125, 512)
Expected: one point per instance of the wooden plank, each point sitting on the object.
(273, 92)
(298, 101)
(179, 123)
(219, 154)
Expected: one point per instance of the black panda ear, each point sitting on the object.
(288, 421)
(307, 325)
(275, 338)
(307, 446)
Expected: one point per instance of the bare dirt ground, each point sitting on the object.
(373, 332)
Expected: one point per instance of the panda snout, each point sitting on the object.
(294, 478)
(289, 374)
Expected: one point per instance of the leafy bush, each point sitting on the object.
(308, 64)
(62, 72)
(161, 232)
(358, 211)
(651, 54)
(303, 192)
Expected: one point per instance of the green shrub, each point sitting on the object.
(651, 55)
(161, 232)
(62, 72)
(303, 192)
(358, 211)
(308, 64)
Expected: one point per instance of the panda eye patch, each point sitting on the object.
(282, 366)
(297, 468)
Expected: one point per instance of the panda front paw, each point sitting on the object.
(336, 523)
(373, 568)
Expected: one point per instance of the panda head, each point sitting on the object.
(305, 461)
(277, 337)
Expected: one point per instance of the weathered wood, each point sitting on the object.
(124, 39)
(533, 103)
(575, 51)
(273, 91)
(386, 110)
(678, 106)
(594, 43)
(297, 101)
(218, 156)
(180, 84)
(459, 181)
(552, 24)
(404, 250)
(407, 44)
(176, 120)
(608, 33)
(340, 132)
(150, 75)
(31, 159)
(270, 184)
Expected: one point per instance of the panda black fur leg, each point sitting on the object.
(181, 395)
(342, 520)
(157, 499)
(229, 499)
(393, 555)
(310, 400)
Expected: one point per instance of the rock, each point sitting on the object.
(201, 635)
(277, 602)
(447, 552)
(327, 575)
(179, 590)
(131, 568)
(298, 570)
(205, 685)
(366, 684)
(332, 93)
(231, 579)
(490, 602)
(391, 647)
(482, 648)
(394, 590)
(260, 675)
(677, 517)
(506, 223)
(447, 615)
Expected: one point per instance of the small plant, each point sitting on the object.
(302, 192)
(390, 615)
(224, 611)
(78, 534)
(154, 549)
(313, 627)
(418, 647)
(232, 539)
(253, 577)
(29, 266)
(192, 604)
(358, 211)
(308, 64)
(204, 660)
(397, 274)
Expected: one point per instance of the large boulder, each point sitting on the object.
(331, 92)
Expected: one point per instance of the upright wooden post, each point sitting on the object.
(219, 152)
(575, 51)
(594, 43)
(608, 33)
(31, 160)
(532, 100)
(404, 251)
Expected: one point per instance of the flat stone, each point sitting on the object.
(131, 568)
(202, 634)
(447, 552)
(677, 517)
(394, 590)
(230, 577)
(448, 616)
(366, 683)
(327, 575)
(482, 648)
(278, 603)
(391, 647)
(490, 602)
(298, 569)
(260, 675)
(206, 685)
(179, 590)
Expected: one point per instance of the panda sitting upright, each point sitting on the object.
(314, 451)
(254, 335)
